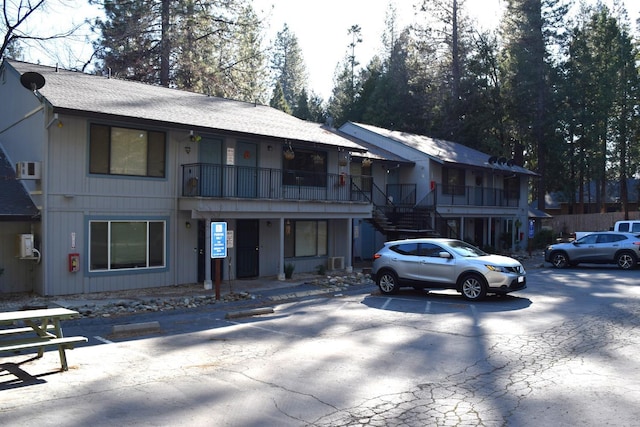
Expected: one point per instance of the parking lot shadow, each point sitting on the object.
(441, 302)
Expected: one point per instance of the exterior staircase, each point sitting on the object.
(405, 218)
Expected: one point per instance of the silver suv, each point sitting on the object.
(445, 263)
(606, 247)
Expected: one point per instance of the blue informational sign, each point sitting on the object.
(531, 228)
(218, 240)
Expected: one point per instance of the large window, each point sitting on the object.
(305, 239)
(124, 151)
(117, 245)
(306, 168)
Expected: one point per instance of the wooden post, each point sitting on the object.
(217, 279)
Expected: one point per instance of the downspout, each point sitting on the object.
(174, 225)
(44, 216)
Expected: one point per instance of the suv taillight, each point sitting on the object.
(376, 256)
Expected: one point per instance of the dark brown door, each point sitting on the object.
(248, 250)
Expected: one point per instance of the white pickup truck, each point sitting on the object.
(629, 226)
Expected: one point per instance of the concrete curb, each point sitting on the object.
(249, 313)
(136, 327)
(303, 294)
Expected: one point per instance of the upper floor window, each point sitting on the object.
(308, 168)
(512, 187)
(125, 151)
(453, 181)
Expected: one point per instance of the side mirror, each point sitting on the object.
(444, 254)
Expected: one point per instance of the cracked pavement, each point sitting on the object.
(563, 353)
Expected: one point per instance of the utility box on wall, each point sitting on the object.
(25, 246)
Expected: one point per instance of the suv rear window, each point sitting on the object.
(406, 248)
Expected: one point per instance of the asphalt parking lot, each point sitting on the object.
(541, 356)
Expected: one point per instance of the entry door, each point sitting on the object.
(248, 249)
(246, 163)
(211, 167)
(394, 192)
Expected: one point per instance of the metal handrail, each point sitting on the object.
(230, 181)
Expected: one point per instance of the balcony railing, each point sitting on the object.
(225, 181)
(476, 196)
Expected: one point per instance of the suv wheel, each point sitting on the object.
(388, 282)
(626, 260)
(559, 259)
(473, 287)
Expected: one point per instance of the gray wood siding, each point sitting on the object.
(75, 196)
(68, 171)
(19, 275)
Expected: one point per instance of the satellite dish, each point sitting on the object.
(493, 159)
(32, 81)
(502, 160)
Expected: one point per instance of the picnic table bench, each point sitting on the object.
(25, 330)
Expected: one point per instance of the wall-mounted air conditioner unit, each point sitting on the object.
(336, 263)
(25, 245)
(28, 170)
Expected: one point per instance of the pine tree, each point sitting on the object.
(129, 47)
(250, 76)
(287, 65)
(342, 103)
(603, 79)
(209, 46)
(278, 101)
(526, 73)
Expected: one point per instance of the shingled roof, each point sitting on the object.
(442, 150)
(85, 94)
(15, 203)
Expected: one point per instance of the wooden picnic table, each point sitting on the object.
(25, 330)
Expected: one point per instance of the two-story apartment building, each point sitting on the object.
(422, 186)
(128, 177)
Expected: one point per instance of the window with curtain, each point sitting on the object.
(306, 239)
(117, 245)
(124, 151)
